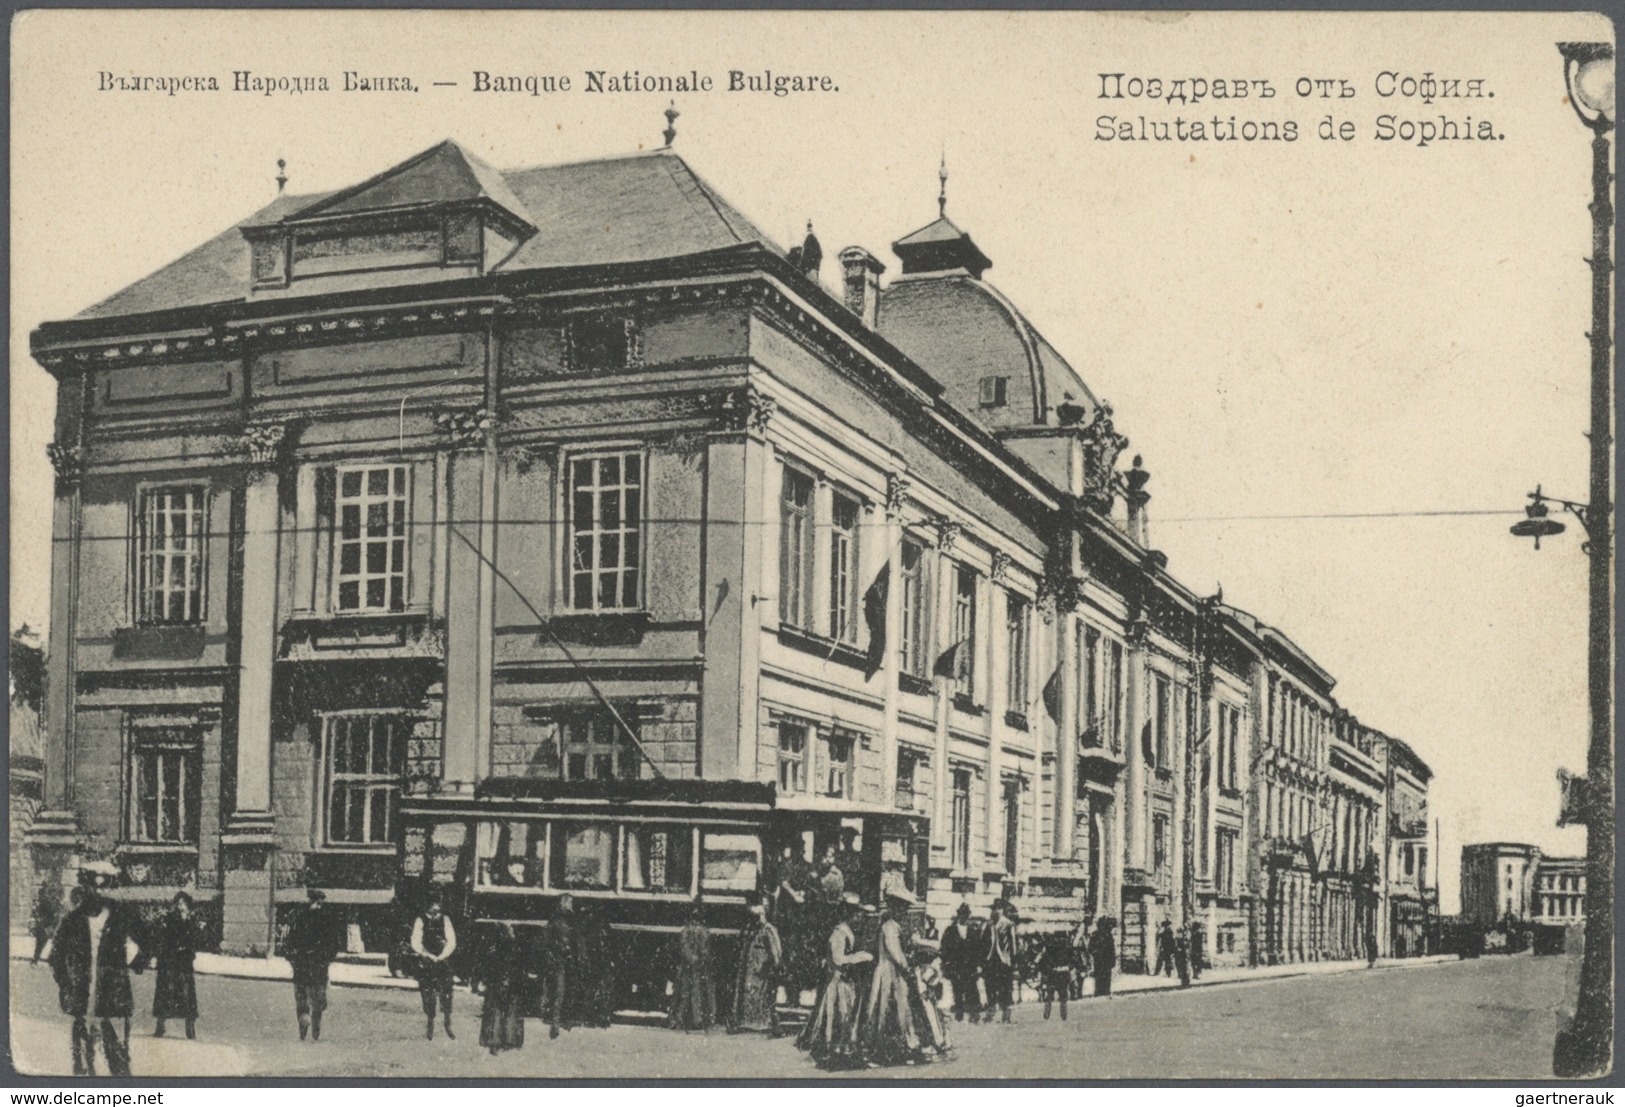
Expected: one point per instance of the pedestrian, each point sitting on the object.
(1182, 956)
(788, 889)
(314, 939)
(562, 953)
(434, 940)
(1165, 950)
(694, 999)
(961, 962)
(1057, 969)
(1080, 957)
(1103, 955)
(756, 984)
(928, 995)
(831, 877)
(47, 913)
(598, 970)
(1198, 949)
(887, 1034)
(507, 984)
(90, 962)
(831, 1032)
(999, 964)
(175, 943)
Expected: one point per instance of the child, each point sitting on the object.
(1056, 965)
(928, 986)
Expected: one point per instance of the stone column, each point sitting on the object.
(248, 842)
(469, 606)
(53, 835)
(891, 531)
(1066, 734)
(1135, 816)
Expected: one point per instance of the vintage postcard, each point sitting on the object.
(700, 545)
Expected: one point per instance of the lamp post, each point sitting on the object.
(1585, 1047)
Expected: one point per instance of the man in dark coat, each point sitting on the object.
(563, 952)
(47, 914)
(1103, 955)
(961, 961)
(176, 939)
(89, 960)
(1165, 950)
(314, 939)
(1198, 949)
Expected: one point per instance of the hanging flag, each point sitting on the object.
(1308, 844)
(874, 614)
(1052, 695)
(1146, 749)
(954, 662)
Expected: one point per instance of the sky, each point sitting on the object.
(1289, 332)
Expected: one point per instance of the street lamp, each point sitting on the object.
(1585, 1047)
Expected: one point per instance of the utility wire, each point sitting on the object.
(334, 527)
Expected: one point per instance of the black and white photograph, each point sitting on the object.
(804, 546)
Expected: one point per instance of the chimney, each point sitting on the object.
(1135, 495)
(812, 255)
(860, 280)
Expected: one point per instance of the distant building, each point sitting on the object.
(1560, 889)
(1413, 898)
(1499, 879)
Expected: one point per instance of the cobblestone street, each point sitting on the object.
(1492, 1018)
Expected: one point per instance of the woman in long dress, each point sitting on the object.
(756, 987)
(174, 996)
(887, 1033)
(694, 1005)
(831, 1033)
(507, 983)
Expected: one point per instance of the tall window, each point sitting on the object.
(965, 630)
(1159, 842)
(843, 569)
(1162, 719)
(792, 757)
(911, 565)
(959, 826)
(1111, 706)
(372, 538)
(606, 519)
(1091, 724)
(1012, 824)
(170, 555)
(1224, 876)
(1016, 643)
(838, 765)
(1229, 742)
(907, 762)
(365, 757)
(796, 549)
(164, 791)
(595, 748)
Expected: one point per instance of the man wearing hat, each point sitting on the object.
(313, 940)
(1103, 955)
(961, 960)
(89, 960)
(999, 970)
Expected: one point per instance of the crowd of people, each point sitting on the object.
(883, 979)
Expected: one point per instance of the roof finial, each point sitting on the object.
(671, 123)
(281, 175)
(942, 177)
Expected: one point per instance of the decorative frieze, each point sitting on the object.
(262, 442)
(67, 460)
(469, 429)
(748, 409)
(1001, 567)
(897, 488)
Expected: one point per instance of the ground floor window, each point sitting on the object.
(164, 786)
(657, 859)
(364, 756)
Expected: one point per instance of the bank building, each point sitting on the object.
(523, 532)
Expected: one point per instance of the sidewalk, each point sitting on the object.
(371, 975)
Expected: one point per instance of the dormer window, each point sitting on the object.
(444, 209)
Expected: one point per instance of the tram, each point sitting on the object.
(641, 854)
